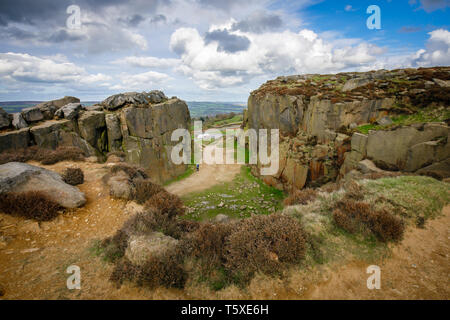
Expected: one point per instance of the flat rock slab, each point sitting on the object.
(22, 177)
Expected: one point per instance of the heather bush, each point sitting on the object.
(356, 216)
(73, 176)
(132, 171)
(42, 155)
(169, 204)
(31, 205)
(207, 244)
(166, 270)
(300, 197)
(263, 244)
(144, 190)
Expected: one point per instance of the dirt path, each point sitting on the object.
(207, 177)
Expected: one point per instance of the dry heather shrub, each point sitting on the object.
(300, 197)
(31, 205)
(354, 191)
(354, 216)
(132, 171)
(115, 246)
(265, 244)
(169, 204)
(73, 176)
(166, 270)
(144, 190)
(42, 155)
(207, 243)
(61, 154)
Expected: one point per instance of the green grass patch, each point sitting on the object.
(421, 116)
(416, 195)
(244, 196)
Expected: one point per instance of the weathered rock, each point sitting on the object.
(69, 111)
(355, 83)
(94, 107)
(114, 132)
(442, 83)
(120, 186)
(92, 128)
(18, 122)
(438, 170)
(5, 119)
(141, 248)
(49, 108)
(22, 177)
(129, 98)
(156, 96)
(48, 134)
(385, 121)
(33, 114)
(389, 149)
(295, 173)
(15, 139)
(367, 166)
(359, 143)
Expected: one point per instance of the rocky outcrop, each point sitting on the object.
(138, 124)
(319, 118)
(49, 108)
(21, 177)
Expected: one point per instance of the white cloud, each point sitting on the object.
(141, 81)
(349, 8)
(437, 50)
(148, 62)
(268, 54)
(24, 68)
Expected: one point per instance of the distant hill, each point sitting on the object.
(196, 108)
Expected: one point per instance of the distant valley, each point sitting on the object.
(196, 108)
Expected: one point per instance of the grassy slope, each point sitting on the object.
(406, 196)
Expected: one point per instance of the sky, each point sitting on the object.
(206, 50)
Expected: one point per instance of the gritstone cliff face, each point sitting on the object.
(138, 124)
(330, 123)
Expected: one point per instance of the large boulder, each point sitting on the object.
(438, 170)
(32, 114)
(142, 247)
(389, 149)
(15, 139)
(69, 111)
(355, 83)
(5, 119)
(49, 108)
(18, 121)
(22, 177)
(128, 98)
